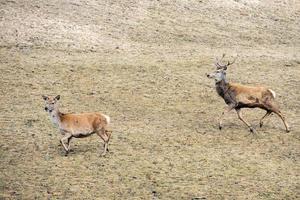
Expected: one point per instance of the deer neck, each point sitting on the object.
(222, 87)
(55, 116)
(224, 90)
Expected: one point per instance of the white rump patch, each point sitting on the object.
(107, 118)
(273, 93)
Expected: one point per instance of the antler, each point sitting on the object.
(220, 66)
(230, 63)
(218, 61)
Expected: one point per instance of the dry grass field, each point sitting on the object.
(143, 63)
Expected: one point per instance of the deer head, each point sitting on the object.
(220, 72)
(50, 103)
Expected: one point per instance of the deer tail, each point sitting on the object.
(273, 93)
(107, 118)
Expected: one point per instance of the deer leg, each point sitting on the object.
(274, 108)
(287, 128)
(227, 110)
(108, 133)
(103, 135)
(69, 144)
(266, 115)
(252, 130)
(67, 138)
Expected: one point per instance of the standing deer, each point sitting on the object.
(77, 125)
(238, 96)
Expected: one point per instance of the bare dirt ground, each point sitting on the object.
(143, 63)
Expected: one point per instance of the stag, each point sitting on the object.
(238, 96)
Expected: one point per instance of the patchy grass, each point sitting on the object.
(166, 143)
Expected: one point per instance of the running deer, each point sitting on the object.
(238, 96)
(77, 125)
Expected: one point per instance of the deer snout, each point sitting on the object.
(46, 109)
(208, 75)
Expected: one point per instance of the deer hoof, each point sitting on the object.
(261, 124)
(252, 130)
(288, 130)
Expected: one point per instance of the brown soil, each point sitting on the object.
(143, 63)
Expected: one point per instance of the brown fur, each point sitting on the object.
(249, 96)
(238, 96)
(241, 96)
(78, 125)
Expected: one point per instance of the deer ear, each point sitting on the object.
(45, 97)
(57, 97)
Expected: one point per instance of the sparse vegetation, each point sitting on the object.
(144, 63)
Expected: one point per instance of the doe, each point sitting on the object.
(238, 96)
(77, 125)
